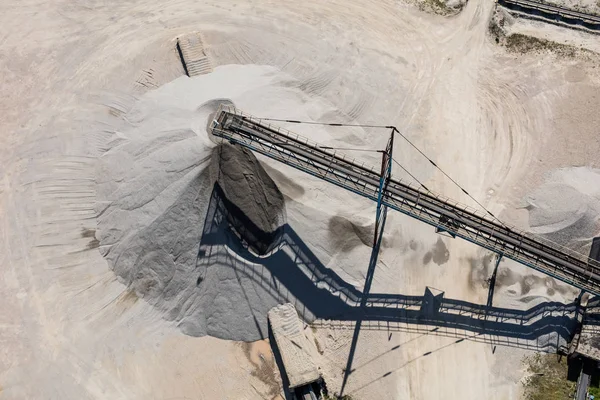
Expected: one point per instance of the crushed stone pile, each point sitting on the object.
(566, 207)
(185, 222)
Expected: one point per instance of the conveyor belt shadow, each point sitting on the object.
(292, 273)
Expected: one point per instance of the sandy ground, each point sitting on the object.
(83, 81)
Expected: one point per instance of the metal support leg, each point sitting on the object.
(493, 280)
(380, 217)
(491, 288)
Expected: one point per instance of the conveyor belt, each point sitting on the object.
(554, 13)
(277, 143)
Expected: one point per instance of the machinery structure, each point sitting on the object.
(444, 214)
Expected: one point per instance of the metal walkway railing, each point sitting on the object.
(446, 215)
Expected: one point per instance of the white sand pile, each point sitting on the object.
(160, 214)
(566, 208)
(554, 207)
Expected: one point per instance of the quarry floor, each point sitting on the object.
(97, 116)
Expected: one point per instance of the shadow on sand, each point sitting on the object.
(283, 265)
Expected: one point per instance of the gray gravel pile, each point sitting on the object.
(566, 208)
(204, 292)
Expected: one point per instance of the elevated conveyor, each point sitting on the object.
(446, 215)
